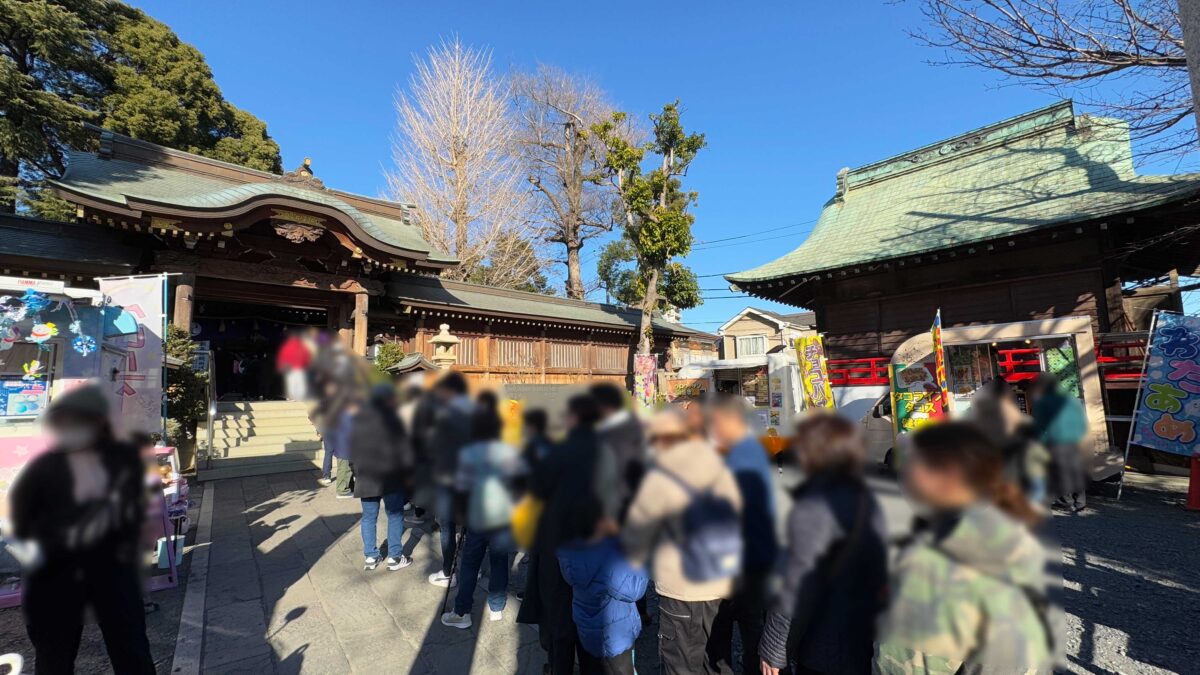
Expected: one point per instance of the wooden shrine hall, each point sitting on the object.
(252, 254)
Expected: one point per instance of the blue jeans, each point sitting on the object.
(445, 517)
(393, 507)
(496, 545)
(327, 463)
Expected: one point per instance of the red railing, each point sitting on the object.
(1121, 360)
(870, 372)
(1017, 365)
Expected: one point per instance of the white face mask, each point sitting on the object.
(75, 438)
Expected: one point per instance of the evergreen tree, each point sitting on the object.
(657, 224)
(67, 62)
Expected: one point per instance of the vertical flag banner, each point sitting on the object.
(645, 385)
(141, 385)
(1168, 415)
(939, 364)
(814, 372)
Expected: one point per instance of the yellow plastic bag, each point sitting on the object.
(525, 517)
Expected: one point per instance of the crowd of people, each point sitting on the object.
(674, 519)
(683, 506)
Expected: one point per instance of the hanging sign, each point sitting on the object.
(814, 372)
(142, 298)
(1168, 417)
(916, 399)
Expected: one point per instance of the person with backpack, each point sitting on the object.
(747, 459)
(969, 591)
(487, 472)
(382, 459)
(686, 516)
(835, 570)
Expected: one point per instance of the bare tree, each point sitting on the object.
(456, 159)
(564, 161)
(1134, 47)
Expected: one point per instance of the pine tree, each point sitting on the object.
(67, 62)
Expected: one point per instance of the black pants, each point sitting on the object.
(54, 604)
(621, 664)
(684, 632)
(747, 609)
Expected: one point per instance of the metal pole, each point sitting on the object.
(1137, 403)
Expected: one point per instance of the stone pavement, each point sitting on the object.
(287, 593)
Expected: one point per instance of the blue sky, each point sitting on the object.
(786, 92)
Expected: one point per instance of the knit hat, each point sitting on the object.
(86, 400)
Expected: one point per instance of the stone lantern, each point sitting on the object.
(445, 348)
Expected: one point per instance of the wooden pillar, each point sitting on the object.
(359, 342)
(483, 351)
(543, 355)
(185, 290)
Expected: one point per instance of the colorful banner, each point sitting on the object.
(645, 379)
(1168, 417)
(916, 398)
(939, 363)
(814, 372)
(141, 385)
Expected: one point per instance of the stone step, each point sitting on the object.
(262, 446)
(293, 430)
(225, 468)
(248, 421)
(262, 406)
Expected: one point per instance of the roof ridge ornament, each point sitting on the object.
(303, 177)
(843, 186)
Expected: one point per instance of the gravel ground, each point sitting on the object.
(1131, 579)
(162, 624)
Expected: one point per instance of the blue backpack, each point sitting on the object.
(710, 543)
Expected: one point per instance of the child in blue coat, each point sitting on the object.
(605, 591)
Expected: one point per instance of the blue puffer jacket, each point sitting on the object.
(605, 588)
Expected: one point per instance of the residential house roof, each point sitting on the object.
(799, 319)
(1041, 169)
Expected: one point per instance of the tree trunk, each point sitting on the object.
(574, 271)
(645, 324)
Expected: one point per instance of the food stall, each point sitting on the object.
(769, 383)
(1016, 352)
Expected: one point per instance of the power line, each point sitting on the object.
(752, 234)
(743, 243)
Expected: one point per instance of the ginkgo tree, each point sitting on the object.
(656, 220)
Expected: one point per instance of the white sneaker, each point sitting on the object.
(370, 563)
(456, 620)
(439, 579)
(494, 615)
(325, 481)
(408, 506)
(398, 563)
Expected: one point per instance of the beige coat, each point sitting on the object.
(657, 511)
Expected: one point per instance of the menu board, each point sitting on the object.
(756, 388)
(21, 398)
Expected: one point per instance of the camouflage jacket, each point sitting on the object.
(966, 598)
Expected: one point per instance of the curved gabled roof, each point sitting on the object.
(1045, 168)
(137, 185)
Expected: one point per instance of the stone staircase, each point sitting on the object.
(253, 438)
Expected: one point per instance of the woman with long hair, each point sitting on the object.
(836, 562)
(968, 593)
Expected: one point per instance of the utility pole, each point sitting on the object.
(1189, 16)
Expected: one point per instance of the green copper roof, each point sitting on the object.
(435, 292)
(118, 181)
(1044, 168)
